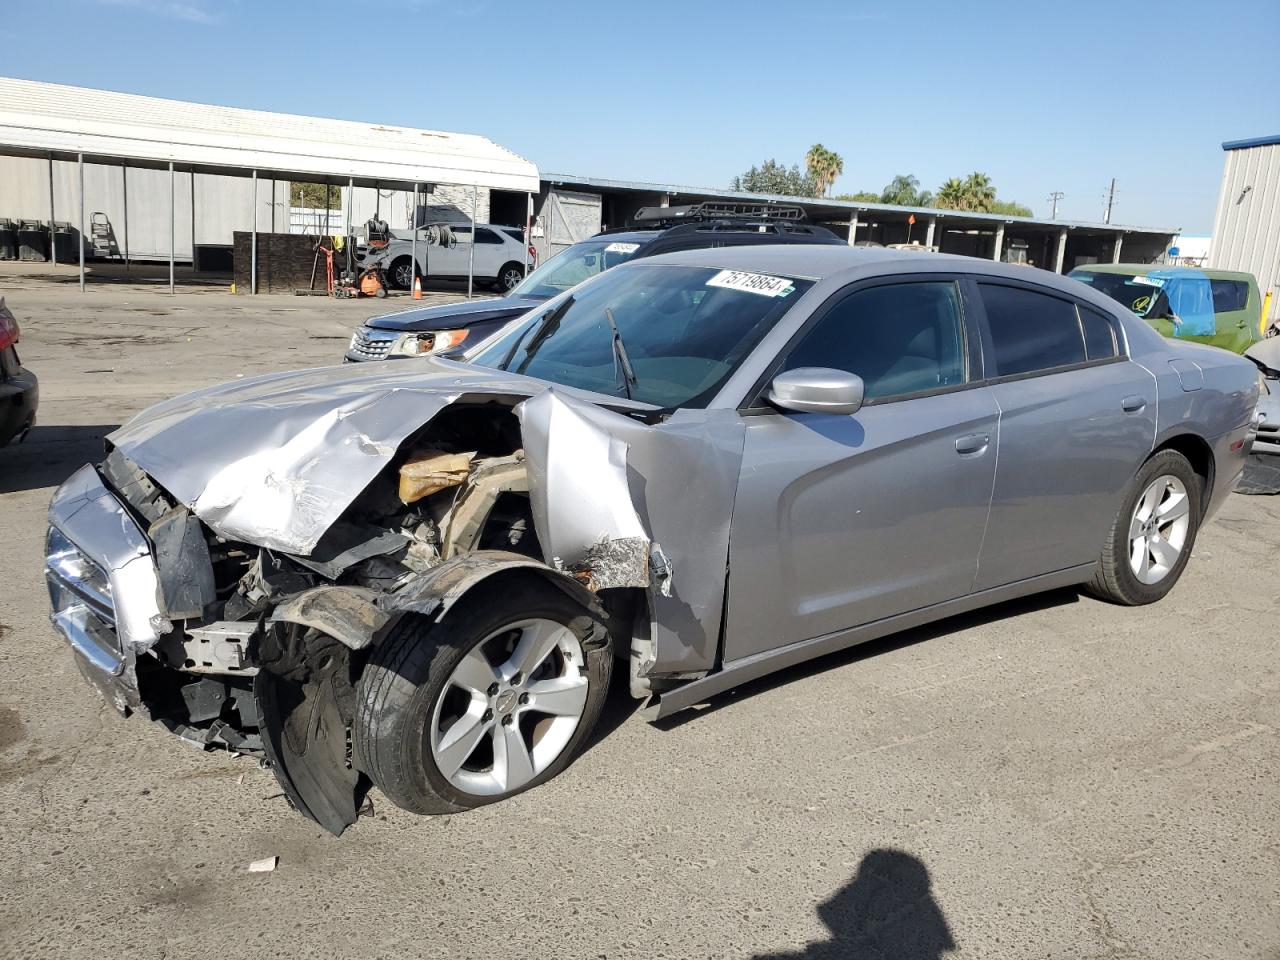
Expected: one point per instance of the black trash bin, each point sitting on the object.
(8, 240)
(33, 241)
(64, 243)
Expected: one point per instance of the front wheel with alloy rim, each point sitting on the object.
(509, 277)
(496, 698)
(401, 273)
(1151, 540)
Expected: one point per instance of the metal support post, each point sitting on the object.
(173, 222)
(471, 256)
(253, 233)
(80, 162)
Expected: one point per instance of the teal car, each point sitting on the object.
(1218, 307)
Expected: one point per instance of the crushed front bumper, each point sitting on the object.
(102, 586)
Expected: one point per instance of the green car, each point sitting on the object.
(1218, 307)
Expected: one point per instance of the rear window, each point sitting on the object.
(1031, 331)
(1100, 340)
(1229, 295)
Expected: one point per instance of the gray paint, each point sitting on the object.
(840, 524)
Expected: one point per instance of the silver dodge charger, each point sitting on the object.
(701, 467)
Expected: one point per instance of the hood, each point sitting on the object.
(451, 316)
(275, 460)
(1266, 354)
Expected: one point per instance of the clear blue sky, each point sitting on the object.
(1041, 96)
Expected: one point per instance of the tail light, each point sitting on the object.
(533, 254)
(8, 330)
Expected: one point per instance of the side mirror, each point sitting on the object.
(817, 390)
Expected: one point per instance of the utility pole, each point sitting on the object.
(1111, 199)
(1054, 198)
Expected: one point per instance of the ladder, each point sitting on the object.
(100, 235)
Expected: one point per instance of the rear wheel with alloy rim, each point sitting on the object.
(1153, 534)
(496, 698)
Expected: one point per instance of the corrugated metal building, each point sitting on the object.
(1246, 230)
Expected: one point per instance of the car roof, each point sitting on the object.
(1142, 269)
(625, 236)
(842, 263)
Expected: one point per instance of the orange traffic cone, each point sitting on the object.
(417, 287)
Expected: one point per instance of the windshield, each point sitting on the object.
(681, 331)
(568, 268)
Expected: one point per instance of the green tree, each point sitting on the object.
(774, 177)
(979, 193)
(824, 166)
(952, 195)
(1010, 208)
(904, 191)
(862, 196)
(321, 196)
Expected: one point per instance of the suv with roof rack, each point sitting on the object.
(453, 327)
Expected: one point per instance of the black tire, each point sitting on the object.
(509, 277)
(399, 276)
(410, 669)
(1114, 579)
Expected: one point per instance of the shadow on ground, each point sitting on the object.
(887, 912)
(49, 455)
(873, 648)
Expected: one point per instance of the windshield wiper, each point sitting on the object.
(546, 327)
(620, 358)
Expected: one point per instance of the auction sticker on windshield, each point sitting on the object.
(760, 283)
(1147, 281)
(616, 247)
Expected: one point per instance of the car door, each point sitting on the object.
(1077, 419)
(450, 261)
(843, 520)
(491, 252)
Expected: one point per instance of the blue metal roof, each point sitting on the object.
(1254, 142)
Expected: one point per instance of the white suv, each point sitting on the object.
(500, 255)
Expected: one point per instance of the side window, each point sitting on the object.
(486, 236)
(900, 338)
(1099, 335)
(1229, 295)
(1030, 331)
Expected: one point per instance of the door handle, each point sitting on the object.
(1133, 404)
(972, 444)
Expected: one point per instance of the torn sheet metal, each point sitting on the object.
(348, 614)
(275, 460)
(594, 473)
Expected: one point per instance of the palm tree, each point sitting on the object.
(824, 166)
(835, 167)
(952, 195)
(979, 193)
(903, 191)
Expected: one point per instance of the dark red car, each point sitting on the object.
(19, 392)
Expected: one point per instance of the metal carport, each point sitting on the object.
(64, 123)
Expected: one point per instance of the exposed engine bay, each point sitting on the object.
(256, 648)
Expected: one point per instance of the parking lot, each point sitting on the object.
(1050, 778)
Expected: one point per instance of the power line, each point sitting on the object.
(1054, 198)
(1111, 202)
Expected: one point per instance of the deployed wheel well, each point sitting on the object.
(1198, 454)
